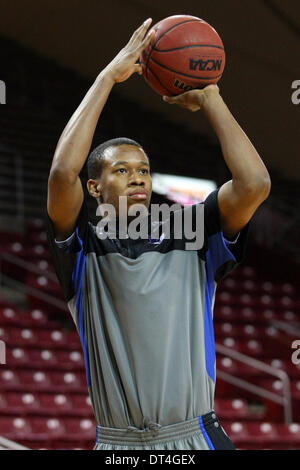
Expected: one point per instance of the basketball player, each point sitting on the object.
(143, 308)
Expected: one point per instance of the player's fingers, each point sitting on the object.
(138, 69)
(170, 99)
(147, 40)
(141, 31)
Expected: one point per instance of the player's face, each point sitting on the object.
(125, 172)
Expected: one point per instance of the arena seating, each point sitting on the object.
(44, 401)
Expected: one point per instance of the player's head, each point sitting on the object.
(119, 167)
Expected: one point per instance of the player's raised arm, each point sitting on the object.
(238, 198)
(65, 193)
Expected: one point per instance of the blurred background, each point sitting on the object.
(50, 54)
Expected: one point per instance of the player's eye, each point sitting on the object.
(121, 170)
(144, 171)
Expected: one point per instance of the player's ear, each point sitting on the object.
(94, 189)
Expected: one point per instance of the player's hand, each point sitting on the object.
(125, 63)
(193, 99)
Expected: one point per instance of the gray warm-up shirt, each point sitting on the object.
(144, 312)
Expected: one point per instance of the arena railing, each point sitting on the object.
(7, 444)
(281, 375)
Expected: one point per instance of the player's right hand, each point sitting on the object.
(124, 64)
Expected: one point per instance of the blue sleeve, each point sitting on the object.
(64, 254)
(221, 255)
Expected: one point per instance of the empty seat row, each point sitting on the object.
(258, 435)
(234, 367)
(263, 435)
(41, 404)
(245, 315)
(38, 337)
(42, 429)
(44, 359)
(236, 409)
(254, 286)
(34, 318)
(256, 301)
(243, 331)
(32, 381)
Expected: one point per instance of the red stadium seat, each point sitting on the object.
(248, 331)
(224, 297)
(248, 315)
(23, 337)
(287, 289)
(43, 359)
(21, 403)
(80, 429)
(82, 406)
(38, 238)
(35, 380)
(9, 380)
(70, 360)
(237, 431)
(263, 433)
(225, 329)
(56, 404)
(231, 409)
(35, 225)
(253, 435)
(226, 364)
(8, 316)
(45, 266)
(47, 428)
(230, 285)
(38, 318)
(289, 435)
(250, 286)
(69, 381)
(251, 347)
(225, 313)
(53, 339)
(14, 428)
(21, 318)
(17, 357)
(268, 287)
(37, 252)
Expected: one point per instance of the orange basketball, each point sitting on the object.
(185, 53)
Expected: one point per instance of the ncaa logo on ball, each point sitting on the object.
(209, 65)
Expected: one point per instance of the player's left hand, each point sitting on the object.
(193, 99)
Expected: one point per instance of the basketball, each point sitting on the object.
(184, 54)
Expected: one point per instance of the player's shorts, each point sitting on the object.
(202, 433)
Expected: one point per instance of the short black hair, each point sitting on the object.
(95, 159)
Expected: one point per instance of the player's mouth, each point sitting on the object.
(138, 195)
